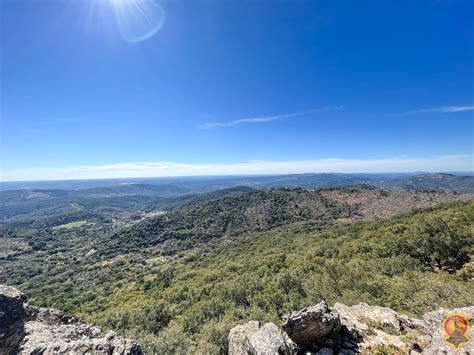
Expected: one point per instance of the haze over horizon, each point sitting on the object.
(216, 88)
(167, 169)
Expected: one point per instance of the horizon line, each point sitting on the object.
(414, 173)
(157, 169)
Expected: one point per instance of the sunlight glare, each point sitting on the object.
(138, 20)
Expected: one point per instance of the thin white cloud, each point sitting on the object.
(265, 118)
(162, 169)
(442, 109)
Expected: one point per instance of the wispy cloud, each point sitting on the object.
(266, 119)
(159, 169)
(442, 109)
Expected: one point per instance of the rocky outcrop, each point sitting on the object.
(313, 324)
(30, 330)
(12, 318)
(345, 330)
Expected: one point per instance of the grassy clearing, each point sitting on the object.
(73, 224)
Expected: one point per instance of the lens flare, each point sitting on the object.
(138, 20)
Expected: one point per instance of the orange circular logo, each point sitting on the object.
(456, 330)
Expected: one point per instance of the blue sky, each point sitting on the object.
(91, 90)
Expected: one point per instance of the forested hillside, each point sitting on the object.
(179, 281)
(253, 211)
(128, 198)
(112, 202)
(412, 263)
(264, 209)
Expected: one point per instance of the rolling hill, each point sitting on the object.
(268, 208)
(447, 182)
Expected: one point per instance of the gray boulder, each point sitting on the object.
(253, 339)
(382, 316)
(349, 319)
(315, 324)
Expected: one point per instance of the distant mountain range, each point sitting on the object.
(120, 198)
(462, 182)
(448, 182)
